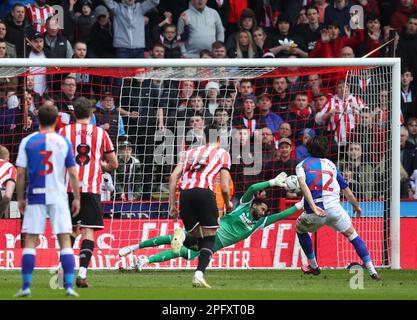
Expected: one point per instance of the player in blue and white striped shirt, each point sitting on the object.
(44, 158)
(321, 183)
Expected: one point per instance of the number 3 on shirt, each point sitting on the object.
(46, 154)
(319, 176)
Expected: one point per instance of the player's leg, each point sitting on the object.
(361, 250)
(307, 223)
(61, 225)
(340, 221)
(165, 256)
(91, 220)
(33, 225)
(153, 242)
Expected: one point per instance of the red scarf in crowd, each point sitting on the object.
(302, 113)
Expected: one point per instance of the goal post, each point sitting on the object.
(130, 81)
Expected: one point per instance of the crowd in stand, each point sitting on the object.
(288, 109)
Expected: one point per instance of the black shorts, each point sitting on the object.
(198, 206)
(91, 212)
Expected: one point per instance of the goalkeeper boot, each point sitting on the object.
(140, 263)
(71, 293)
(81, 282)
(23, 293)
(126, 250)
(177, 240)
(200, 283)
(310, 270)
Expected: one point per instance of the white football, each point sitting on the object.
(292, 184)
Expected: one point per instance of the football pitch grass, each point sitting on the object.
(226, 285)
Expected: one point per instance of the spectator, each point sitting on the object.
(64, 100)
(402, 13)
(175, 8)
(301, 150)
(259, 37)
(247, 119)
(212, 94)
(407, 44)
(311, 30)
(38, 14)
(412, 131)
(281, 98)
(339, 11)
(302, 17)
(301, 116)
(218, 49)
(221, 122)
(7, 84)
(196, 106)
(321, 6)
(332, 41)
(267, 118)
(173, 43)
(346, 52)
(404, 184)
(157, 51)
(18, 26)
(195, 134)
(56, 46)
(205, 27)
(244, 89)
(129, 26)
(314, 86)
(340, 113)
(84, 80)
(408, 94)
(408, 153)
(359, 175)
(290, 8)
(365, 83)
(268, 145)
(247, 22)
(222, 7)
(84, 21)
(374, 38)
(226, 101)
(285, 163)
(108, 118)
(10, 123)
(244, 46)
(129, 172)
(285, 43)
(36, 44)
(101, 37)
(10, 47)
(206, 54)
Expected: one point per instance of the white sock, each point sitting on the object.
(313, 263)
(199, 275)
(82, 273)
(370, 266)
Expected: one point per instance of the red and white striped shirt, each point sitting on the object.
(89, 143)
(345, 118)
(7, 172)
(38, 16)
(201, 165)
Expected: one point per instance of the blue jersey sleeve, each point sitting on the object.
(69, 159)
(342, 182)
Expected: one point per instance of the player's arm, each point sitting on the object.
(111, 162)
(20, 189)
(224, 185)
(283, 214)
(173, 181)
(73, 175)
(7, 196)
(278, 181)
(347, 192)
(308, 197)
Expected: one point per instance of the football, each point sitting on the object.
(292, 184)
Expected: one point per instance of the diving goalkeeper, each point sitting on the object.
(245, 219)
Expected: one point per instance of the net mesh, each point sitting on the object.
(153, 115)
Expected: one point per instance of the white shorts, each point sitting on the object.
(34, 219)
(336, 218)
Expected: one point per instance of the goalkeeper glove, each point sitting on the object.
(279, 180)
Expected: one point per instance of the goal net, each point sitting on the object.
(266, 111)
